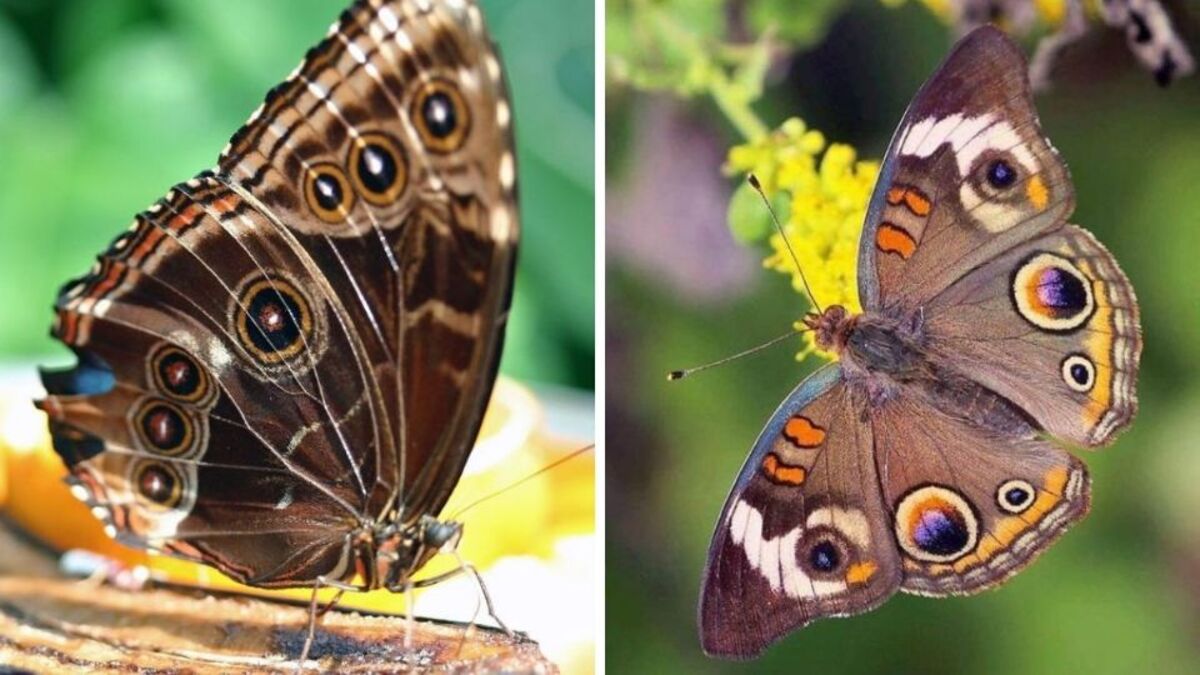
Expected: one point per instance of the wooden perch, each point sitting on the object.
(51, 624)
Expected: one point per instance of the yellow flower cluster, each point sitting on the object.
(827, 190)
(1049, 12)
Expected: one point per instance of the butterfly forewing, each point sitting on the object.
(803, 532)
(968, 174)
(388, 156)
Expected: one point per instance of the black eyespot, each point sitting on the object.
(175, 373)
(1001, 174)
(158, 484)
(327, 192)
(441, 116)
(1079, 372)
(824, 557)
(1061, 292)
(941, 531)
(1015, 496)
(1052, 294)
(179, 375)
(273, 320)
(376, 168)
(163, 428)
(379, 169)
(274, 317)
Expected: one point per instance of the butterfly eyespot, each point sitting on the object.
(273, 319)
(441, 116)
(936, 524)
(823, 552)
(164, 428)
(1001, 174)
(379, 168)
(1079, 373)
(158, 485)
(1015, 496)
(176, 374)
(1051, 293)
(824, 557)
(327, 192)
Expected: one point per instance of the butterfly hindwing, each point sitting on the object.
(974, 495)
(802, 534)
(1058, 311)
(224, 434)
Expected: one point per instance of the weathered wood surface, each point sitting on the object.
(50, 624)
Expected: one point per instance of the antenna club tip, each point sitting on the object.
(674, 375)
(754, 182)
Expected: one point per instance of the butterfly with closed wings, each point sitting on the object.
(921, 459)
(284, 363)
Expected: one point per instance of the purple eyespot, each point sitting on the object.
(941, 531)
(1061, 292)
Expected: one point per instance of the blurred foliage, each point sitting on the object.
(678, 46)
(1120, 593)
(105, 105)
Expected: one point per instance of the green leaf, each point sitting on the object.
(749, 219)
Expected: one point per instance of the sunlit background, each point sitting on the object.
(1120, 593)
(105, 105)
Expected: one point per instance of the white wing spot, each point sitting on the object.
(388, 19)
(507, 171)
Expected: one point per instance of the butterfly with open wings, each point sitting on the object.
(921, 460)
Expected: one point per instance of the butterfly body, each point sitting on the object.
(920, 459)
(877, 353)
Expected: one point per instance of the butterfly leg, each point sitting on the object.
(315, 611)
(467, 568)
(410, 619)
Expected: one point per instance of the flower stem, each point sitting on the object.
(737, 109)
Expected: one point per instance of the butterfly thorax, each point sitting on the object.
(398, 552)
(876, 350)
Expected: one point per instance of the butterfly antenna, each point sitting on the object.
(786, 242)
(687, 372)
(496, 493)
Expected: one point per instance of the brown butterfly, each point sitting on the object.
(919, 460)
(283, 364)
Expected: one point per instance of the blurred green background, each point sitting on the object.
(1120, 593)
(105, 105)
